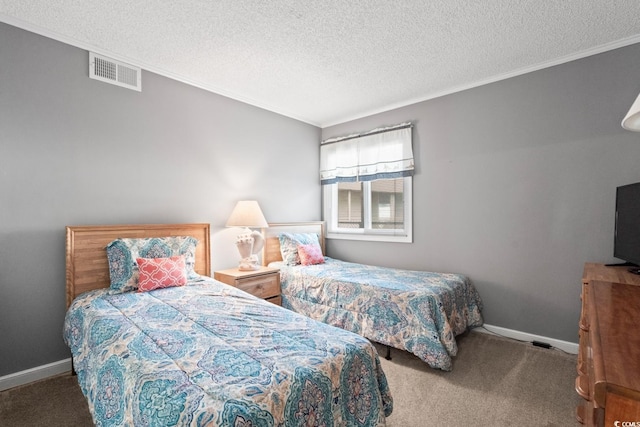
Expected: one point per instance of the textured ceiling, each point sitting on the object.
(326, 62)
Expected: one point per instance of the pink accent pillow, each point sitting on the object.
(310, 254)
(156, 273)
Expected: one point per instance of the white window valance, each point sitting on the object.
(382, 153)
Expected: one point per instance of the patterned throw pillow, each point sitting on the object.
(156, 273)
(310, 254)
(289, 245)
(122, 255)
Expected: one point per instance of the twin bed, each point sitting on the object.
(205, 353)
(417, 311)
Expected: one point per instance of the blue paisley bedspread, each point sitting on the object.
(417, 311)
(208, 354)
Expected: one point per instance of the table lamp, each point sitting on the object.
(248, 214)
(632, 120)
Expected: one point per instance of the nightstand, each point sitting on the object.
(263, 283)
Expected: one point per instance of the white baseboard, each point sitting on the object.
(565, 346)
(34, 374)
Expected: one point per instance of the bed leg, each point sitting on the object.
(388, 356)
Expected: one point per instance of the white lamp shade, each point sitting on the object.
(247, 213)
(632, 120)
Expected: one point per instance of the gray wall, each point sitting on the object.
(515, 186)
(76, 151)
(515, 181)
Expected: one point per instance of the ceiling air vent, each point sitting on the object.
(115, 72)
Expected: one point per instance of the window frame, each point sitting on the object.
(330, 215)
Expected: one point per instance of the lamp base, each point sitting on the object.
(246, 247)
(249, 263)
(248, 267)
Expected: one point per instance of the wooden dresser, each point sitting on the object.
(609, 352)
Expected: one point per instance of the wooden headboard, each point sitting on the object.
(87, 265)
(271, 249)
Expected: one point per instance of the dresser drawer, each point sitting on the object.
(275, 300)
(584, 312)
(621, 408)
(583, 353)
(266, 286)
(590, 416)
(263, 283)
(582, 386)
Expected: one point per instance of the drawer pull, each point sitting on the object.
(584, 325)
(582, 386)
(580, 415)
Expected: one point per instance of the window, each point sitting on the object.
(387, 204)
(350, 205)
(370, 210)
(367, 185)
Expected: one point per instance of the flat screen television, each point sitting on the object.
(627, 233)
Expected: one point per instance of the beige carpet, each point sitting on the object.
(494, 382)
(54, 402)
